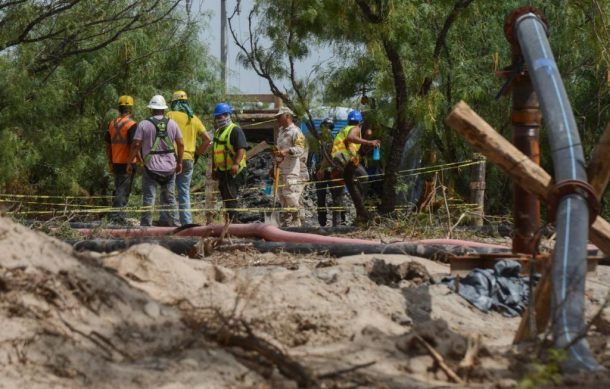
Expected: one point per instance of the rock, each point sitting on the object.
(438, 335)
(152, 309)
(327, 275)
(401, 318)
(413, 271)
(189, 362)
(326, 263)
(421, 364)
(383, 273)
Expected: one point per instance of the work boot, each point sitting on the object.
(338, 220)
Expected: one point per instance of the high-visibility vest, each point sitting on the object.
(161, 135)
(340, 144)
(119, 135)
(224, 152)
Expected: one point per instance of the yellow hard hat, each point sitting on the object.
(126, 100)
(179, 95)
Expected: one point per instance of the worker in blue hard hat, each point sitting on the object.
(229, 161)
(346, 157)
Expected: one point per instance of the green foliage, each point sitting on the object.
(463, 67)
(545, 374)
(52, 122)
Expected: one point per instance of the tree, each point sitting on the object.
(52, 123)
(276, 62)
(65, 28)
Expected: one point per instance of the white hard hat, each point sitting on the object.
(157, 102)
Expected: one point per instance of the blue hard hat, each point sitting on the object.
(354, 116)
(221, 109)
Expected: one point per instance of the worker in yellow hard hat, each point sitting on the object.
(192, 128)
(119, 137)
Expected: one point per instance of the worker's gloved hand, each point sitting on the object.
(234, 169)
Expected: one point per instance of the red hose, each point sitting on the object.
(262, 231)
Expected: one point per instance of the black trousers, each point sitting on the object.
(229, 187)
(323, 187)
(354, 176)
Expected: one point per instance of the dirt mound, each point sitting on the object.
(69, 321)
(147, 317)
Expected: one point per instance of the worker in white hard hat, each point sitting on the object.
(156, 136)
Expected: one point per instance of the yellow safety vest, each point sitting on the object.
(224, 153)
(340, 144)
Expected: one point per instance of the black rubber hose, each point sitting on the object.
(181, 246)
(435, 252)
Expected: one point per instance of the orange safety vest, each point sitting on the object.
(119, 133)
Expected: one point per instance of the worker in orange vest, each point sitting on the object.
(118, 142)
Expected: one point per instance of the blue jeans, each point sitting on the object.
(183, 185)
(167, 200)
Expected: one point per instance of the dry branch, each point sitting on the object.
(440, 360)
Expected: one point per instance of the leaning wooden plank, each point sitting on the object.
(598, 171)
(542, 310)
(517, 165)
(259, 148)
(498, 150)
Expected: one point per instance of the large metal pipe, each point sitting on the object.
(525, 119)
(572, 216)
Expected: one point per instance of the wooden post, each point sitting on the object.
(477, 189)
(522, 170)
(542, 308)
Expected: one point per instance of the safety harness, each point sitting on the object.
(160, 136)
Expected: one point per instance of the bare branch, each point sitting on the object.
(63, 50)
(253, 57)
(38, 20)
(441, 39)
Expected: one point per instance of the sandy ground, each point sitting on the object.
(149, 318)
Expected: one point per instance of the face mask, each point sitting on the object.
(222, 121)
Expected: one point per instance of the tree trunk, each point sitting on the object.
(401, 131)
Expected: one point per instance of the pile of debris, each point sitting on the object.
(254, 196)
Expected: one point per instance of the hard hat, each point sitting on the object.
(284, 110)
(354, 116)
(157, 102)
(179, 95)
(328, 122)
(222, 108)
(126, 101)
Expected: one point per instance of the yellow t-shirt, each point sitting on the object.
(189, 130)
